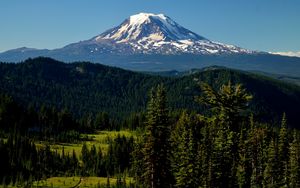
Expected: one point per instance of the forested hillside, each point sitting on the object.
(85, 88)
(227, 148)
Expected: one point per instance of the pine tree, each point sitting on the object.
(138, 160)
(294, 161)
(222, 158)
(100, 169)
(74, 162)
(228, 103)
(93, 160)
(283, 153)
(271, 173)
(206, 154)
(257, 152)
(243, 167)
(85, 159)
(156, 149)
(186, 157)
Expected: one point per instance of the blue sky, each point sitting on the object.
(267, 25)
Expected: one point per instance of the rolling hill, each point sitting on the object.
(85, 88)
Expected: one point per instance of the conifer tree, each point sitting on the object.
(228, 103)
(186, 158)
(85, 158)
(74, 162)
(206, 154)
(283, 152)
(222, 158)
(157, 147)
(256, 149)
(243, 167)
(294, 161)
(271, 173)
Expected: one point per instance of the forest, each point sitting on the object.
(220, 135)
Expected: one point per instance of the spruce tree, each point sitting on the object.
(271, 173)
(186, 161)
(228, 103)
(257, 151)
(244, 166)
(157, 147)
(294, 161)
(222, 158)
(283, 152)
(228, 106)
(85, 159)
(206, 153)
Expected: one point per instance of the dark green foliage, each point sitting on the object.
(252, 155)
(47, 124)
(156, 151)
(271, 173)
(294, 161)
(118, 157)
(222, 147)
(117, 160)
(185, 154)
(227, 104)
(283, 153)
(102, 121)
(21, 161)
(86, 88)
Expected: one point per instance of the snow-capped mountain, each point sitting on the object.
(155, 34)
(154, 42)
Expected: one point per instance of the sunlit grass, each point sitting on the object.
(100, 140)
(66, 182)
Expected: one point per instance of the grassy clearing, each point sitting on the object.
(62, 182)
(100, 139)
(67, 182)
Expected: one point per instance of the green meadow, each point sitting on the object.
(100, 139)
(68, 182)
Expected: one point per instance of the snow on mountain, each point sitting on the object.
(154, 42)
(291, 54)
(149, 33)
(143, 33)
(145, 26)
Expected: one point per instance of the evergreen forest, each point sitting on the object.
(88, 125)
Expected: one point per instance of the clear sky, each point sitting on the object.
(267, 25)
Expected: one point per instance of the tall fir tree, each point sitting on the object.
(294, 161)
(228, 103)
(243, 169)
(271, 173)
(222, 158)
(186, 159)
(157, 146)
(283, 153)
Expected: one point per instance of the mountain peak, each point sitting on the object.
(148, 27)
(144, 17)
(148, 33)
